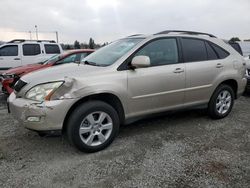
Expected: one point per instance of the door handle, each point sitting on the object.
(17, 59)
(178, 70)
(219, 65)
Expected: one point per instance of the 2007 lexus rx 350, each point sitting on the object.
(130, 78)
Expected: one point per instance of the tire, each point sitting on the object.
(42, 134)
(92, 126)
(221, 102)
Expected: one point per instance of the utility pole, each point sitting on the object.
(56, 37)
(36, 32)
(30, 35)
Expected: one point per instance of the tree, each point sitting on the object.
(77, 45)
(67, 47)
(84, 45)
(91, 43)
(234, 39)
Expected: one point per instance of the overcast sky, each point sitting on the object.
(107, 20)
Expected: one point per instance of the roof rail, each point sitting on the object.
(185, 32)
(27, 40)
(134, 35)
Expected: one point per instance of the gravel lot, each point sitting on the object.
(184, 149)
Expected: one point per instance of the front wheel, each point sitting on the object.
(221, 103)
(93, 126)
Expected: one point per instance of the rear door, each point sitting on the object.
(160, 86)
(204, 65)
(31, 53)
(10, 56)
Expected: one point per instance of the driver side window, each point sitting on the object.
(161, 52)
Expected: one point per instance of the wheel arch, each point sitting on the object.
(109, 98)
(232, 83)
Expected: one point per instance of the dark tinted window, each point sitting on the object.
(161, 52)
(220, 52)
(194, 50)
(31, 49)
(9, 50)
(237, 47)
(211, 54)
(52, 49)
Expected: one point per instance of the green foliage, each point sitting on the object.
(234, 39)
(77, 45)
(91, 43)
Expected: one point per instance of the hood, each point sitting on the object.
(59, 72)
(23, 69)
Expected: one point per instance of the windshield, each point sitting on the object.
(111, 53)
(53, 59)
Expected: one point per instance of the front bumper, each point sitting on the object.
(39, 116)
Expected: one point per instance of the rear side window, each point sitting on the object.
(31, 49)
(11, 50)
(52, 49)
(220, 52)
(211, 54)
(194, 50)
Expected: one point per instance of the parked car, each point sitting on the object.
(245, 46)
(11, 76)
(20, 52)
(246, 54)
(248, 75)
(130, 78)
(236, 46)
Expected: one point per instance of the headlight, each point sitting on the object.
(8, 76)
(43, 92)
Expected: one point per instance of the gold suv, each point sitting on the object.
(130, 78)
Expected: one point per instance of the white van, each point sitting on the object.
(22, 52)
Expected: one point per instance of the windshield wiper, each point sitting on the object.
(92, 63)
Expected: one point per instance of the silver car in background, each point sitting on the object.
(130, 78)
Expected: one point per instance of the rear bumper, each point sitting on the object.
(241, 86)
(39, 116)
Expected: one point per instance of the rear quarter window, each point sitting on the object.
(222, 54)
(52, 49)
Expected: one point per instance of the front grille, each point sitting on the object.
(19, 85)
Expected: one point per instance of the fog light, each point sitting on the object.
(33, 119)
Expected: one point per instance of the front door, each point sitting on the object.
(9, 57)
(160, 86)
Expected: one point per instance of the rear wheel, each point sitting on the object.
(93, 126)
(221, 103)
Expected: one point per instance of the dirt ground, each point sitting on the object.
(182, 149)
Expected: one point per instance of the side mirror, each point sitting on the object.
(140, 62)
